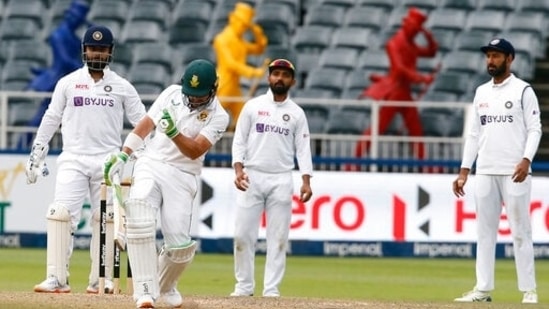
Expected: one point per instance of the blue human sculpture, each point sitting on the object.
(67, 57)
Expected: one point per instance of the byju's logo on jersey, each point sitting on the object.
(486, 119)
(81, 101)
(266, 128)
(78, 101)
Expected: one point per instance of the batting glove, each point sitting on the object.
(167, 124)
(114, 164)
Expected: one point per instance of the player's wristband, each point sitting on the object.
(133, 141)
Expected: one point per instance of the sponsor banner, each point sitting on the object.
(311, 247)
(372, 207)
(346, 207)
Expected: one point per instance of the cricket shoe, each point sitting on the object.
(474, 296)
(145, 301)
(93, 288)
(172, 298)
(530, 297)
(52, 285)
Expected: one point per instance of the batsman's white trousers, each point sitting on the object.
(170, 190)
(271, 193)
(491, 192)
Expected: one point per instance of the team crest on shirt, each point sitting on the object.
(508, 104)
(202, 116)
(107, 88)
(286, 117)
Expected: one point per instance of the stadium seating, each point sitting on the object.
(30, 51)
(324, 78)
(534, 6)
(425, 5)
(339, 57)
(366, 17)
(325, 15)
(468, 62)
(312, 39)
(17, 28)
(346, 122)
(26, 9)
(156, 53)
(335, 44)
(465, 5)
(103, 10)
(472, 40)
(141, 31)
(151, 10)
(276, 15)
(387, 5)
(497, 5)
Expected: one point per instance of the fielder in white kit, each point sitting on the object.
(505, 132)
(189, 120)
(271, 130)
(89, 105)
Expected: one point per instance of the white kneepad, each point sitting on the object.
(59, 241)
(172, 262)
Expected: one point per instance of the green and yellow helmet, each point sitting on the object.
(199, 81)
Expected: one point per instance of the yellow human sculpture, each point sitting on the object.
(232, 51)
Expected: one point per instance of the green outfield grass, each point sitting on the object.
(385, 279)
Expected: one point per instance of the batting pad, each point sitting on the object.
(141, 246)
(59, 242)
(94, 246)
(172, 262)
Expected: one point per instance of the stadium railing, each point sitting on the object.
(390, 152)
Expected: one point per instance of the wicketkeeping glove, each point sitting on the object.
(36, 164)
(167, 124)
(114, 164)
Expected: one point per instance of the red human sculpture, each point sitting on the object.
(403, 54)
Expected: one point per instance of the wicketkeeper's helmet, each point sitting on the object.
(97, 36)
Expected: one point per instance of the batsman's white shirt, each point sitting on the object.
(269, 134)
(210, 122)
(505, 127)
(91, 113)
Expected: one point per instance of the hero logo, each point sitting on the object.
(341, 208)
(82, 101)
(349, 213)
(266, 128)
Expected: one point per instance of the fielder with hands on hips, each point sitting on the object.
(271, 130)
(189, 120)
(503, 138)
(89, 105)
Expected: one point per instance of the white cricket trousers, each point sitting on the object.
(169, 190)
(491, 192)
(271, 193)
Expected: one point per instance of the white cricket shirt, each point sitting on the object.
(270, 134)
(91, 114)
(210, 122)
(505, 127)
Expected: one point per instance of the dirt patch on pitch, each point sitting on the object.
(24, 300)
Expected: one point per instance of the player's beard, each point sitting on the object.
(279, 88)
(497, 71)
